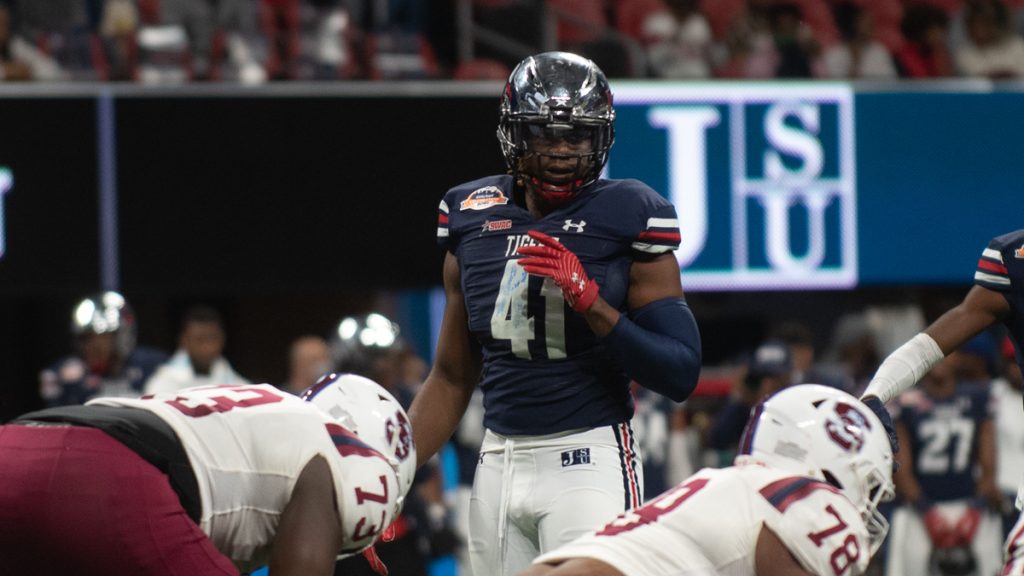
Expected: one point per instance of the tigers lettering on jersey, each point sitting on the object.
(517, 240)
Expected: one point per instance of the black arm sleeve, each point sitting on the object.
(658, 345)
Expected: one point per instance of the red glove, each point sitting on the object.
(940, 531)
(555, 261)
(967, 526)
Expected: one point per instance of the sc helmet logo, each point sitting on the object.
(399, 434)
(6, 183)
(847, 427)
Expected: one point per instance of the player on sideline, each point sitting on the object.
(204, 481)
(800, 499)
(568, 283)
(996, 297)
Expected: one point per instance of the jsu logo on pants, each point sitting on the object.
(763, 179)
(574, 457)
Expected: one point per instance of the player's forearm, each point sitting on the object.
(659, 346)
(904, 367)
(435, 413)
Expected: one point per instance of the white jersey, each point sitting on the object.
(247, 446)
(710, 523)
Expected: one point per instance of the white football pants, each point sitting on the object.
(532, 494)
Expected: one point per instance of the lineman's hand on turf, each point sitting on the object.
(555, 261)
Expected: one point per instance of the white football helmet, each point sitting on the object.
(367, 409)
(827, 434)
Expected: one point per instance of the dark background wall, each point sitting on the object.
(285, 211)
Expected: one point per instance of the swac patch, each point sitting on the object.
(496, 225)
(482, 198)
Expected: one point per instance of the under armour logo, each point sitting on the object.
(570, 225)
(579, 282)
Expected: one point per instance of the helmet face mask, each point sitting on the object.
(825, 433)
(556, 110)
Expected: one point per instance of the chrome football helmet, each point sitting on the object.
(825, 433)
(369, 411)
(359, 340)
(106, 312)
(557, 97)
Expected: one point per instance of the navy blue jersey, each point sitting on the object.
(544, 370)
(1001, 268)
(68, 381)
(944, 438)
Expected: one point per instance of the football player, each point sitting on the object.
(996, 297)
(107, 361)
(208, 480)
(945, 477)
(800, 499)
(567, 283)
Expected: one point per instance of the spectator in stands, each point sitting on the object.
(749, 46)
(853, 353)
(946, 478)
(107, 361)
(976, 361)
(858, 54)
(679, 41)
(769, 370)
(118, 26)
(924, 53)
(19, 58)
(802, 350)
(1007, 397)
(199, 360)
(795, 45)
(309, 357)
(219, 36)
(991, 48)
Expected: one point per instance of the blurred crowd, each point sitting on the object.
(257, 41)
(962, 436)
